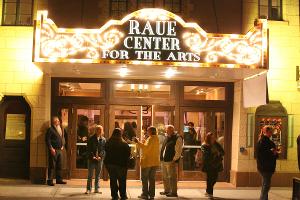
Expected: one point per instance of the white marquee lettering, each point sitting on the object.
(126, 42)
(171, 28)
(133, 27)
(171, 57)
(148, 28)
(160, 27)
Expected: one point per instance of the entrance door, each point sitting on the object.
(196, 123)
(138, 119)
(14, 137)
(84, 120)
(128, 118)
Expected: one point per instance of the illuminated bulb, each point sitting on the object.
(123, 71)
(119, 85)
(157, 86)
(140, 86)
(170, 73)
(146, 87)
(197, 92)
(132, 86)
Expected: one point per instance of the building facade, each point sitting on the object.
(92, 92)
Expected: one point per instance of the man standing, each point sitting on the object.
(56, 138)
(149, 162)
(96, 153)
(169, 156)
(266, 160)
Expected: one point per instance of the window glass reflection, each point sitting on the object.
(204, 93)
(87, 119)
(80, 89)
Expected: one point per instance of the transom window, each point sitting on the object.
(173, 5)
(270, 9)
(145, 4)
(17, 12)
(118, 8)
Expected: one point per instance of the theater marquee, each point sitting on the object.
(149, 36)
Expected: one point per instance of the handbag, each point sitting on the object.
(131, 162)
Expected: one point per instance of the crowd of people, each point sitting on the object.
(115, 153)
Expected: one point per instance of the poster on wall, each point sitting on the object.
(15, 127)
(276, 124)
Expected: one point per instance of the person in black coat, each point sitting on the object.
(56, 140)
(212, 161)
(96, 154)
(116, 159)
(266, 153)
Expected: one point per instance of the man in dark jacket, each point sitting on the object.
(96, 154)
(267, 154)
(56, 138)
(116, 159)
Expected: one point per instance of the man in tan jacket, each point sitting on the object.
(149, 162)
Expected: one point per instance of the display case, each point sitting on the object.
(275, 116)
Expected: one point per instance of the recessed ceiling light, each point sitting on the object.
(123, 71)
(170, 72)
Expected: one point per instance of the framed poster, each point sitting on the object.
(15, 127)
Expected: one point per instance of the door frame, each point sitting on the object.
(11, 144)
(225, 174)
(131, 174)
(74, 171)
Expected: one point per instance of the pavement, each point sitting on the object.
(74, 189)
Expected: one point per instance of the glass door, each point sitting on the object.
(195, 125)
(129, 119)
(85, 118)
(138, 119)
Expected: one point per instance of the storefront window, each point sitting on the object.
(270, 9)
(173, 6)
(17, 12)
(142, 91)
(145, 4)
(118, 8)
(204, 93)
(80, 89)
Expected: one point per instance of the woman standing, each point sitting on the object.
(96, 154)
(212, 161)
(266, 153)
(117, 156)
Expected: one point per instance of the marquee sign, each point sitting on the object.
(149, 36)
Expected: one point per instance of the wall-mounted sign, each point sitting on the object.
(150, 36)
(15, 127)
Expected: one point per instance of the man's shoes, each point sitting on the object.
(171, 195)
(164, 193)
(50, 183)
(142, 197)
(208, 195)
(88, 192)
(61, 182)
(97, 191)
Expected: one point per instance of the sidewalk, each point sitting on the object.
(23, 190)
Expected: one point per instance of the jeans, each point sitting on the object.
(117, 177)
(266, 185)
(55, 163)
(169, 177)
(97, 167)
(211, 179)
(148, 181)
